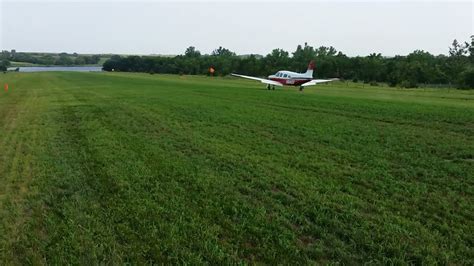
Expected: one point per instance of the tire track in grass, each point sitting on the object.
(76, 207)
(188, 144)
(6, 146)
(101, 189)
(31, 243)
(12, 131)
(153, 167)
(8, 211)
(19, 172)
(143, 120)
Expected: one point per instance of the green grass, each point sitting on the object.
(120, 168)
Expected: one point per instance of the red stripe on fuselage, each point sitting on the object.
(290, 82)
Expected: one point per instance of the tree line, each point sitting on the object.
(62, 59)
(412, 70)
(418, 67)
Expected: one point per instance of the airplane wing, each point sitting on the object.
(266, 81)
(317, 81)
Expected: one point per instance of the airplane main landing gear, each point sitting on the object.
(268, 86)
(273, 87)
(301, 88)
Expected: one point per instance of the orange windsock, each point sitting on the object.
(6, 86)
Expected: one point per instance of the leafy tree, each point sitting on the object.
(5, 55)
(64, 60)
(467, 79)
(4, 64)
(250, 65)
(222, 52)
(471, 49)
(457, 60)
(80, 60)
(457, 49)
(302, 56)
(192, 52)
(276, 60)
(224, 61)
(47, 60)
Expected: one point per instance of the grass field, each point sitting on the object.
(117, 168)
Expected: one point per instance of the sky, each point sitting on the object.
(245, 27)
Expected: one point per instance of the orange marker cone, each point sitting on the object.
(6, 86)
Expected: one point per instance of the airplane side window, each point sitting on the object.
(285, 75)
(289, 76)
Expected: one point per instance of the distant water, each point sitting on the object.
(59, 68)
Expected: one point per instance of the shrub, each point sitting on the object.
(392, 83)
(408, 84)
(466, 80)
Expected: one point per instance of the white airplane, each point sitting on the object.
(285, 77)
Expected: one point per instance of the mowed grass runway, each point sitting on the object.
(116, 168)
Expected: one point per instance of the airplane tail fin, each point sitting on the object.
(309, 72)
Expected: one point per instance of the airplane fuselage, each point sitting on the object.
(290, 78)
